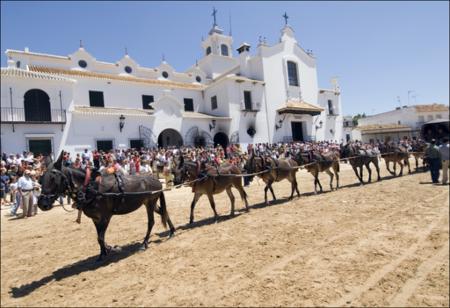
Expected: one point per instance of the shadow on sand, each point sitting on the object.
(74, 269)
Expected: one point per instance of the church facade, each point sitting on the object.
(50, 102)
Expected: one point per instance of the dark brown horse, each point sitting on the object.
(100, 201)
(359, 158)
(276, 171)
(211, 181)
(316, 162)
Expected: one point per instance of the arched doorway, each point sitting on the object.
(222, 139)
(37, 106)
(169, 137)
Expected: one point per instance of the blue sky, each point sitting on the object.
(379, 50)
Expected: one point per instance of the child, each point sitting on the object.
(17, 199)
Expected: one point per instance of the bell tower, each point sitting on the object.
(217, 43)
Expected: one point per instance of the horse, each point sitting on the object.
(396, 154)
(316, 162)
(358, 158)
(100, 201)
(277, 170)
(211, 181)
(418, 149)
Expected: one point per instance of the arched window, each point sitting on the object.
(224, 50)
(208, 50)
(292, 73)
(37, 106)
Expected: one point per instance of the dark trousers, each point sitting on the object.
(434, 169)
(246, 180)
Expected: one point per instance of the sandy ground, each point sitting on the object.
(383, 244)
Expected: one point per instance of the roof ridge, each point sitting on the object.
(62, 71)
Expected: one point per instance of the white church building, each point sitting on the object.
(51, 102)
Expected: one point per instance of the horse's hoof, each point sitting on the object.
(143, 247)
(100, 259)
(171, 234)
(231, 214)
(116, 248)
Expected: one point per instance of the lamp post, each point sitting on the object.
(121, 122)
(212, 125)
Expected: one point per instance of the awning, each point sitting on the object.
(383, 128)
(300, 107)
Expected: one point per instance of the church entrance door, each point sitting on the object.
(297, 131)
(222, 139)
(170, 137)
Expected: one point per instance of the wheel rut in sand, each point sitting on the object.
(390, 267)
(422, 272)
(245, 280)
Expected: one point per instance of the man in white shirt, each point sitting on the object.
(25, 188)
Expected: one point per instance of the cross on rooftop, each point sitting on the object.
(285, 16)
(214, 15)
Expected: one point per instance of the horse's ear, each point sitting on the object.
(58, 163)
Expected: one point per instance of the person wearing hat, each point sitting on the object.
(433, 158)
(25, 189)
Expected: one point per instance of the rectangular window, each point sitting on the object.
(292, 73)
(430, 117)
(248, 100)
(146, 101)
(104, 145)
(421, 119)
(330, 107)
(96, 99)
(136, 143)
(188, 104)
(439, 116)
(214, 102)
(40, 146)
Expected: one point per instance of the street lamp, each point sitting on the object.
(212, 125)
(121, 122)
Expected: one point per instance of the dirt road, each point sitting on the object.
(383, 244)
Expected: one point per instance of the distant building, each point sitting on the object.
(52, 102)
(398, 123)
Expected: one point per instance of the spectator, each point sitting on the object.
(444, 150)
(25, 187)
(433, 158)
(4, 186)
(16, 197)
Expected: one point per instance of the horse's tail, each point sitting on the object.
(164, 214)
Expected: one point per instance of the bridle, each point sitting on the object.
(66, 187)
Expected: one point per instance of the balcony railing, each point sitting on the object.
(18, 115)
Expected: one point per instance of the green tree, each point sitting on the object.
(357, 117)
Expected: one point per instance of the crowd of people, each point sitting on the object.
(20, 173)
